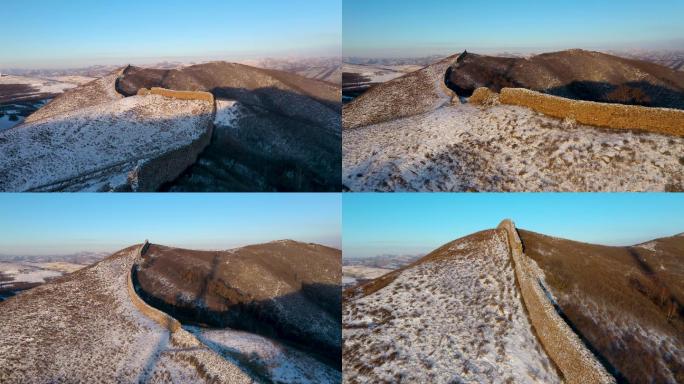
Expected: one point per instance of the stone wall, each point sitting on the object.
(158, 316)
(618, 116)
(563, 346)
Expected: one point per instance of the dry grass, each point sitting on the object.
(623, 300)
(658, 120)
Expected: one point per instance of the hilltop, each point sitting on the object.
(269, 315)
(470, 325)
(85, 327)
(543, 309)
(575, 74)
(283, 289)
(258, 130)
(425, 132)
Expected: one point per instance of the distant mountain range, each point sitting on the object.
(381, 261)
(669, 58)
(319, 68)
(83, 257)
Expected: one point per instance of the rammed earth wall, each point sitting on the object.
(619, 116)
(158, 316)
(182, 95)
(573, 359)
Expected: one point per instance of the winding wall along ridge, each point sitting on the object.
(205, 361)
(619, 116)
(161, 318)
(574, 360)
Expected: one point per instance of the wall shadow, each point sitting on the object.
(630, 93)
(283, 140)
(602, 359)
(263, 317)
(270, 147)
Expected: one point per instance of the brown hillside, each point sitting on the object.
(84, 328)
(267, 88)
(625, 302)
(574, 74)
(285, 136)
(281, 289)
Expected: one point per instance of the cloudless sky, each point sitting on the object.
(417, 223)
(56, 224)
(391, 28)
(52, 34)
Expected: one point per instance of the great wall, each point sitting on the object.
(204, 360)
(161, 318)
(563, 346)
(606, 115)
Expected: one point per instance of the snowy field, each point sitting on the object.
(351, 274)
(455, 318)
(506, 148)
(14, 273)
(379, 74)
(272, 360)
(37, 86)
(98, 145)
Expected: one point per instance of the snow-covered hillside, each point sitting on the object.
(97, 147)
(506, 148)
(266, 357)
(470, 325)
(86, 329)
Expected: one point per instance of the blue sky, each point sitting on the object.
(410, 223)
(391, 28)
(49, 33)
(54, 224)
